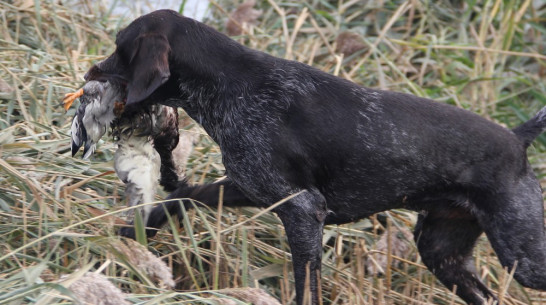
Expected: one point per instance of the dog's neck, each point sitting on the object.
(211, 56)
(217, 75)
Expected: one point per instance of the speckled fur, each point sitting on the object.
(284, 127)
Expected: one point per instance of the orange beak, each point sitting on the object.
(69, 98)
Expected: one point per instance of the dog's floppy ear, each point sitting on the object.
(149, 66)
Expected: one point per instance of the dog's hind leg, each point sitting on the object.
(514, 223)
(445, 237)
(303, 219)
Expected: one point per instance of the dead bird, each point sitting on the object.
(146, 140)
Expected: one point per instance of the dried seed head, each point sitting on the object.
(349, 43)
(147, 262)
(244, 16)
(96, 289)
(249, 295)
(225, 301)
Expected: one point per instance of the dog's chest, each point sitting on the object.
(247, 147)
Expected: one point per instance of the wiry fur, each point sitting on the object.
(284, 127)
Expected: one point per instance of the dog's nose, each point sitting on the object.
(93, 71)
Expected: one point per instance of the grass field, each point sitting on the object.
(58, 214)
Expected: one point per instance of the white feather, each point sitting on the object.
(137, 164)
(75, 132)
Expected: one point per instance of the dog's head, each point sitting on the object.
(141, 58)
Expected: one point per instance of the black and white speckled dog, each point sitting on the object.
(284, 127)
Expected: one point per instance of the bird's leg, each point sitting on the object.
(69, 98)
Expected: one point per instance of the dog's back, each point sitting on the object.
(359, 145)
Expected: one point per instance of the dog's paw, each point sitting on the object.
(151, 232)
(128, 232)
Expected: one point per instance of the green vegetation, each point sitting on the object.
(58, 214)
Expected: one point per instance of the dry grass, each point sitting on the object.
(58, 214)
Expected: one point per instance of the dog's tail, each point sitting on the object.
(528, 131)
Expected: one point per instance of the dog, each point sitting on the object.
(344, 151)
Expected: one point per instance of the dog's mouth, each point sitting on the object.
(97, 73)
(111, 78)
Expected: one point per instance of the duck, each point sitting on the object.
(147, 141)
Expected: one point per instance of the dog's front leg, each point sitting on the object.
(303, 219)
(207, 194)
